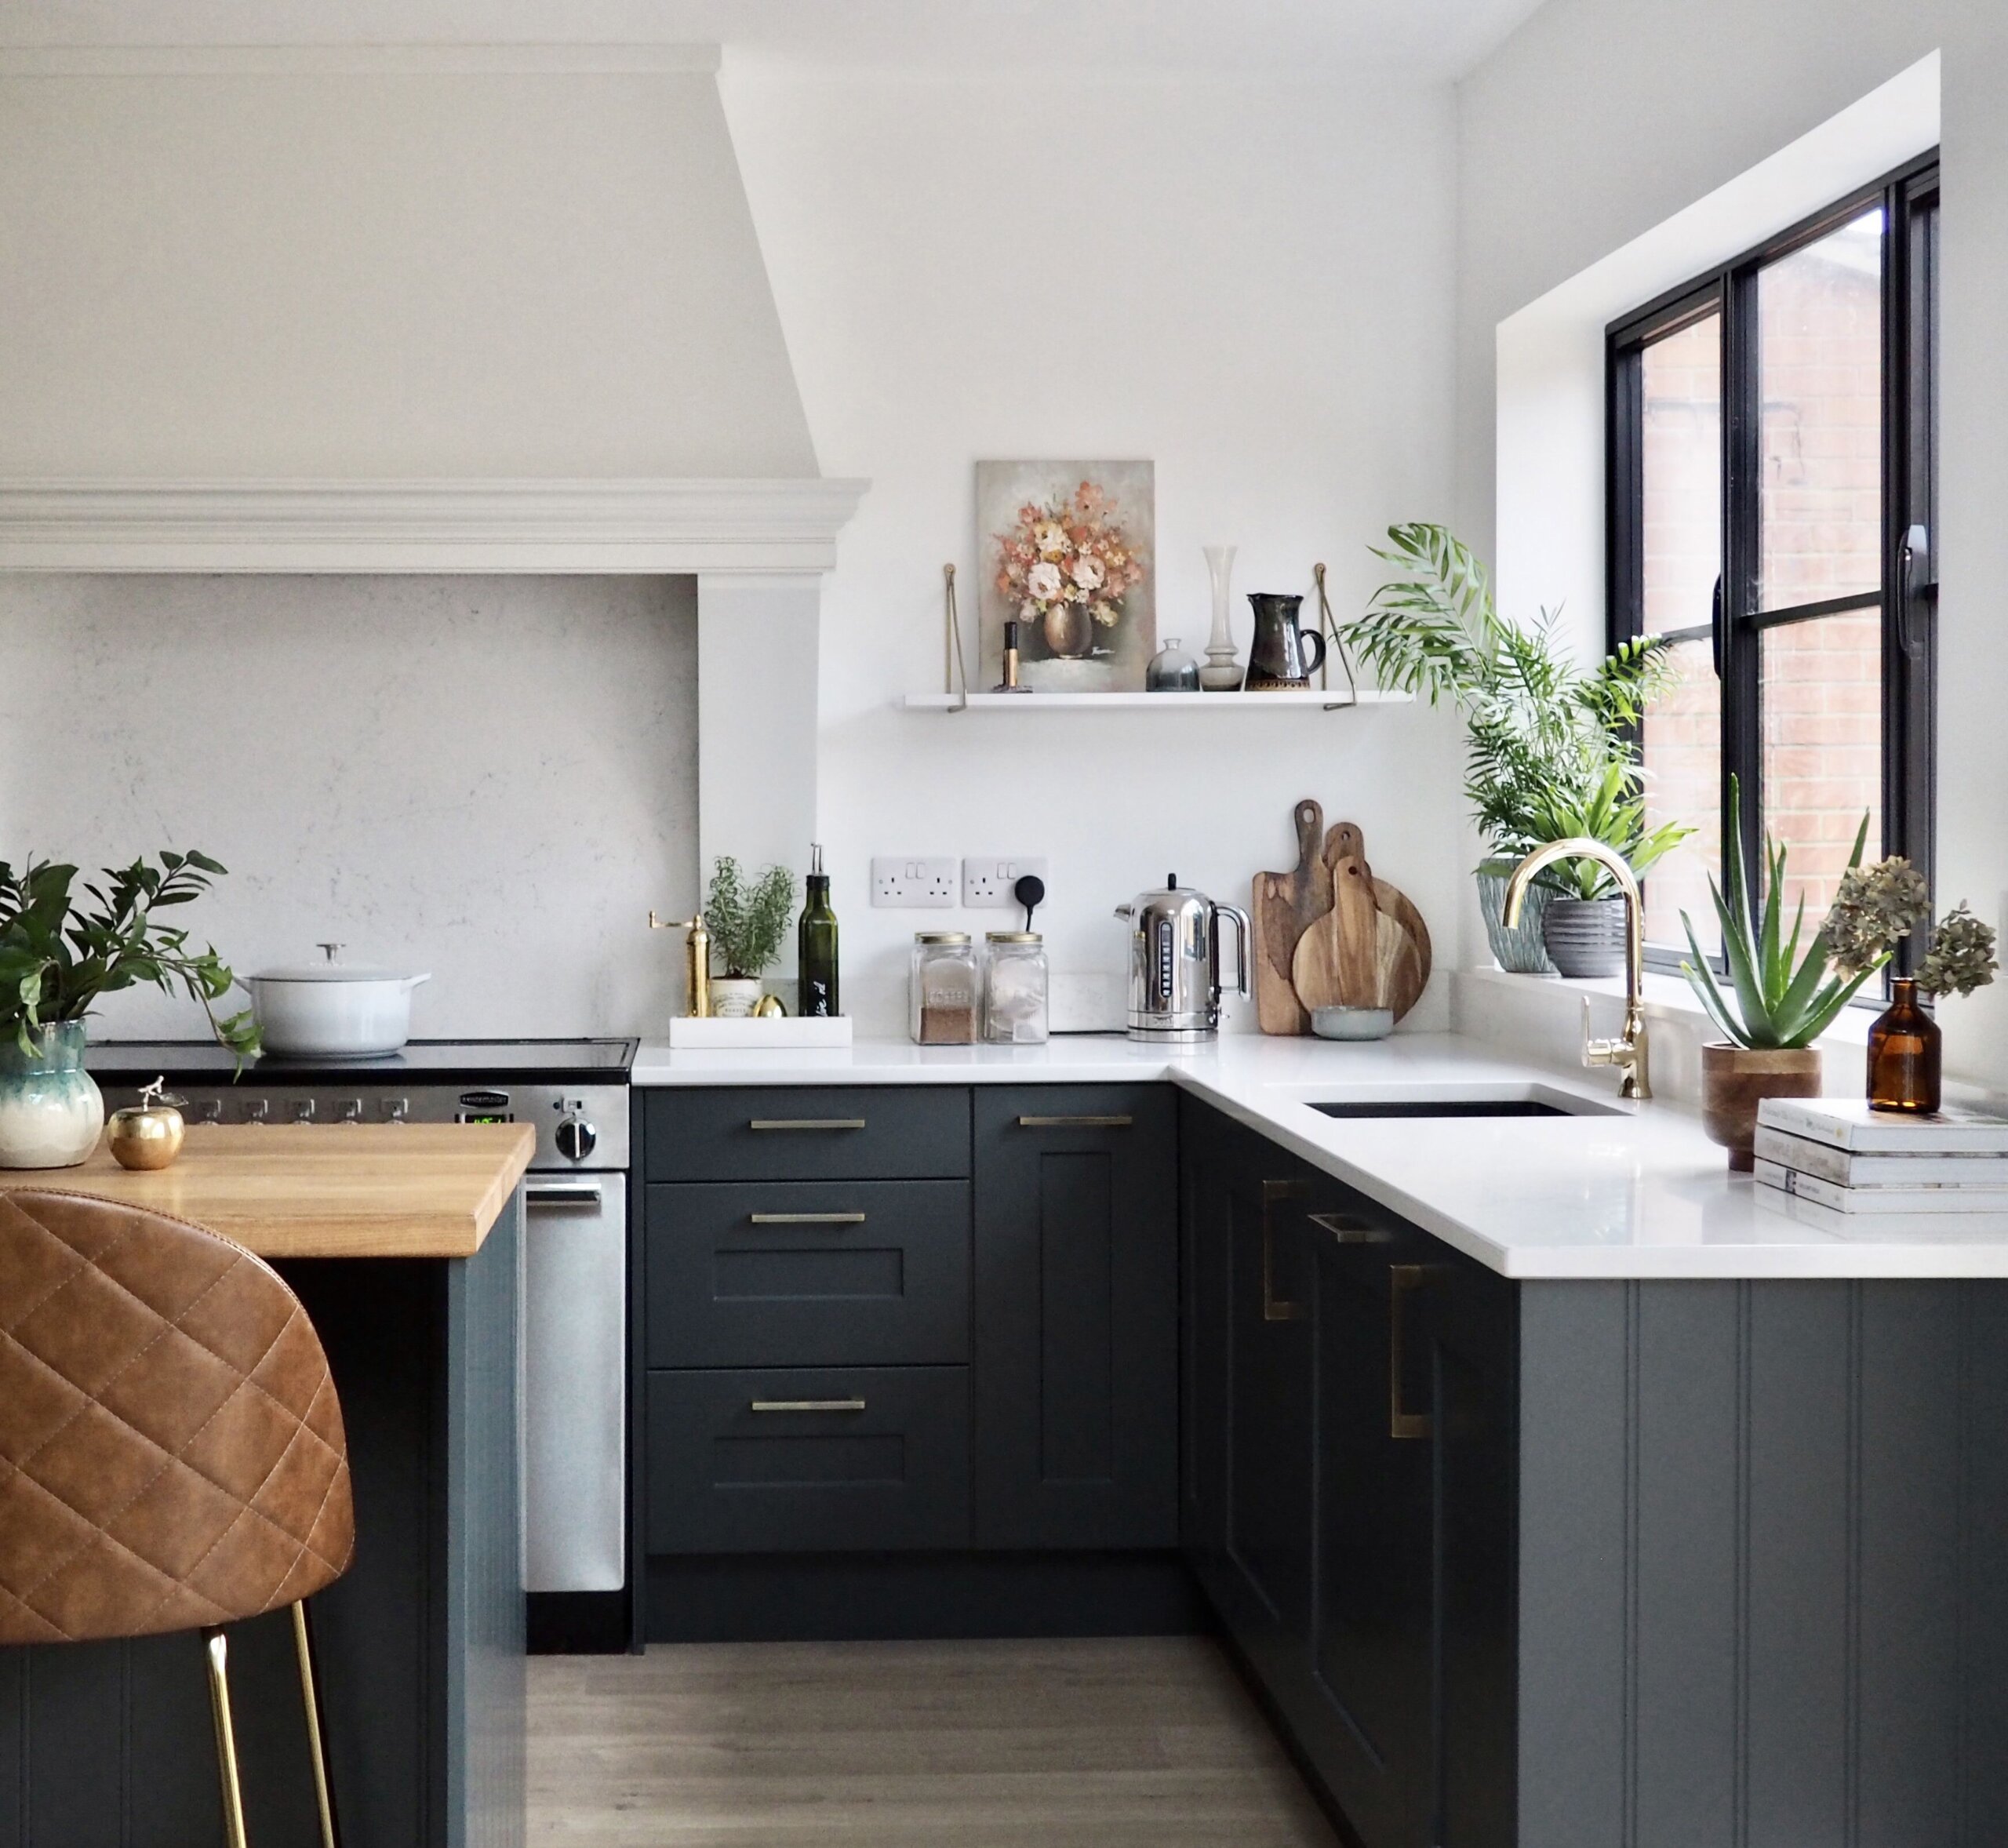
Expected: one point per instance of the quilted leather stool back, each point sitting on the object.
(171, 1446)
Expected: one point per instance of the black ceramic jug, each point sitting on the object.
(1277, 658)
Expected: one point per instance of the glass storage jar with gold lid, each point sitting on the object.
(944, 989)
(1014, 988)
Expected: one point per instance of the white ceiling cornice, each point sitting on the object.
(351, 60)
(760, 527)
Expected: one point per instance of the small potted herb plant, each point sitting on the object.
(60, 948)
(749, 919)
(1547, 743)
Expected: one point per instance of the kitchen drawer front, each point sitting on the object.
(807, 1273)
(843, 1459)
(820, 1133)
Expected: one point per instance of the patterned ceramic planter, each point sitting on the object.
(1585, 937)
(1520, 950)
(51, 1112)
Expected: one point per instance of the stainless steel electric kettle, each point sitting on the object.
(1175, 963)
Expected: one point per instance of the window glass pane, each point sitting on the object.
(1820, 372)
(1681, 458)
(1822, 699)
(1684, 738)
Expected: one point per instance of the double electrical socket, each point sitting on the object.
(927, 883)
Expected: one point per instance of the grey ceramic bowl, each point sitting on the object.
(1352, 1023)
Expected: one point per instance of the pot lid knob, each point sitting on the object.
(331, 952)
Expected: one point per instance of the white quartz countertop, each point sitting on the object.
(1626, 1192)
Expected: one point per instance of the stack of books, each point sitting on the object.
(1839, 1152)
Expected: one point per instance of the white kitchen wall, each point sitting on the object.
(478, 260)
(1249, 283)
(1665, 103)
(492, 778)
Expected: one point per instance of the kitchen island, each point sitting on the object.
(1557, 1488)
(404, 1242)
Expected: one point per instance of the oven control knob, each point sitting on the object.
(577, 1138)
(302, 1112)
(257, 1111)
(352, 1110)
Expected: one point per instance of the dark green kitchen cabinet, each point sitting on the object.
(1076, 1296)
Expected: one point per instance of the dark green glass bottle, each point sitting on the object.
(815, 942)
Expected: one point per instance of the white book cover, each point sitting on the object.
(1927, 1168)
(1848, 1123)
(1878, 1199)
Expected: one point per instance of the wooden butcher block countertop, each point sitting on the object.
(335, 1190)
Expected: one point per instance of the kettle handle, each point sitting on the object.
(1242, 931)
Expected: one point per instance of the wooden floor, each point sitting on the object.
(1135, 1743)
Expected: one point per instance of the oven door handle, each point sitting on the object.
(564, 1193)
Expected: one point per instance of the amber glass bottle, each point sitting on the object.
(1904, 1047)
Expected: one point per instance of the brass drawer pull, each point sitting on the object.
(806, 1122)
(1350, 1230)
(807, 1405)
(1403, 1281)
(1075, 1123)
(1275, 1308)
(804, 1218)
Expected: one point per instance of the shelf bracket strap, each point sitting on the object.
(1329, 627)
(953, 668)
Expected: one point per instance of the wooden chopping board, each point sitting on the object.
(1285, 906)
(1411, 975)
(1337, 957)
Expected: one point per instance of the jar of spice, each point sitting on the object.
(944, 989)
(1014, 988)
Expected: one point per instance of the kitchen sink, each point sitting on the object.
(1455, 1107)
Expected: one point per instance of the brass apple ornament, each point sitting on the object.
(147, 1134)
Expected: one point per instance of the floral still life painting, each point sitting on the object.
(1065, 549)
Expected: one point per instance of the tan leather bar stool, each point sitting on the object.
(171, 1448)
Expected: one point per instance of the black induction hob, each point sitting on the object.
(429, 1061)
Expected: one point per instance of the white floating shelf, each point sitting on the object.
(1335, 700)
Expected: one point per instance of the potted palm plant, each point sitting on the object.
(61, 947)
(749, 919)
(1548, 742)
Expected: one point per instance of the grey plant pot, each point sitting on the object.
(1585, 937)
(1520, 950)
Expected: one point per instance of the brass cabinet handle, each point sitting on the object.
(804, 1219)
(1403, 1281)
(1350, 1230)
(806, 1405)
(806, 1122)
(1274, 1307)
(1075, 1123)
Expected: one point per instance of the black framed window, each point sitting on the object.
(1772, 433)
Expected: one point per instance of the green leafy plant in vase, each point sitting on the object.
(749, 918)
(62, 947)
(1548, 752)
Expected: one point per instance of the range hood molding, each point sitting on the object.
(734, 527)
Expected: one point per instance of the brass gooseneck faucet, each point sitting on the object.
(1630, 1052)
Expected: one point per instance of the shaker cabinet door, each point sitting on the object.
(1076, 1317)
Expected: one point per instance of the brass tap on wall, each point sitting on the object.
(696, 962)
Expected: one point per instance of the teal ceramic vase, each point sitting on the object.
(51, 1112)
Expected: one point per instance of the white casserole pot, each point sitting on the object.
(332, 1009)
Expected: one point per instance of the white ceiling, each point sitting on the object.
(1063, 39)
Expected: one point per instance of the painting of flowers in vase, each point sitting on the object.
(1065, 552)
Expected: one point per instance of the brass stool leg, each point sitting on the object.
(218, 1653)
(310, 1699)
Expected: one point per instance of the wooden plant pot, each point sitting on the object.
(1735, 1079)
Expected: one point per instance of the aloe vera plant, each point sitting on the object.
(1777, 999)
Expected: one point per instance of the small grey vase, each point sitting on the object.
(1585, 937)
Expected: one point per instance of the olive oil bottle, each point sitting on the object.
(815, 940)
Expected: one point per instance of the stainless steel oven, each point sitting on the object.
(574, 1348)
